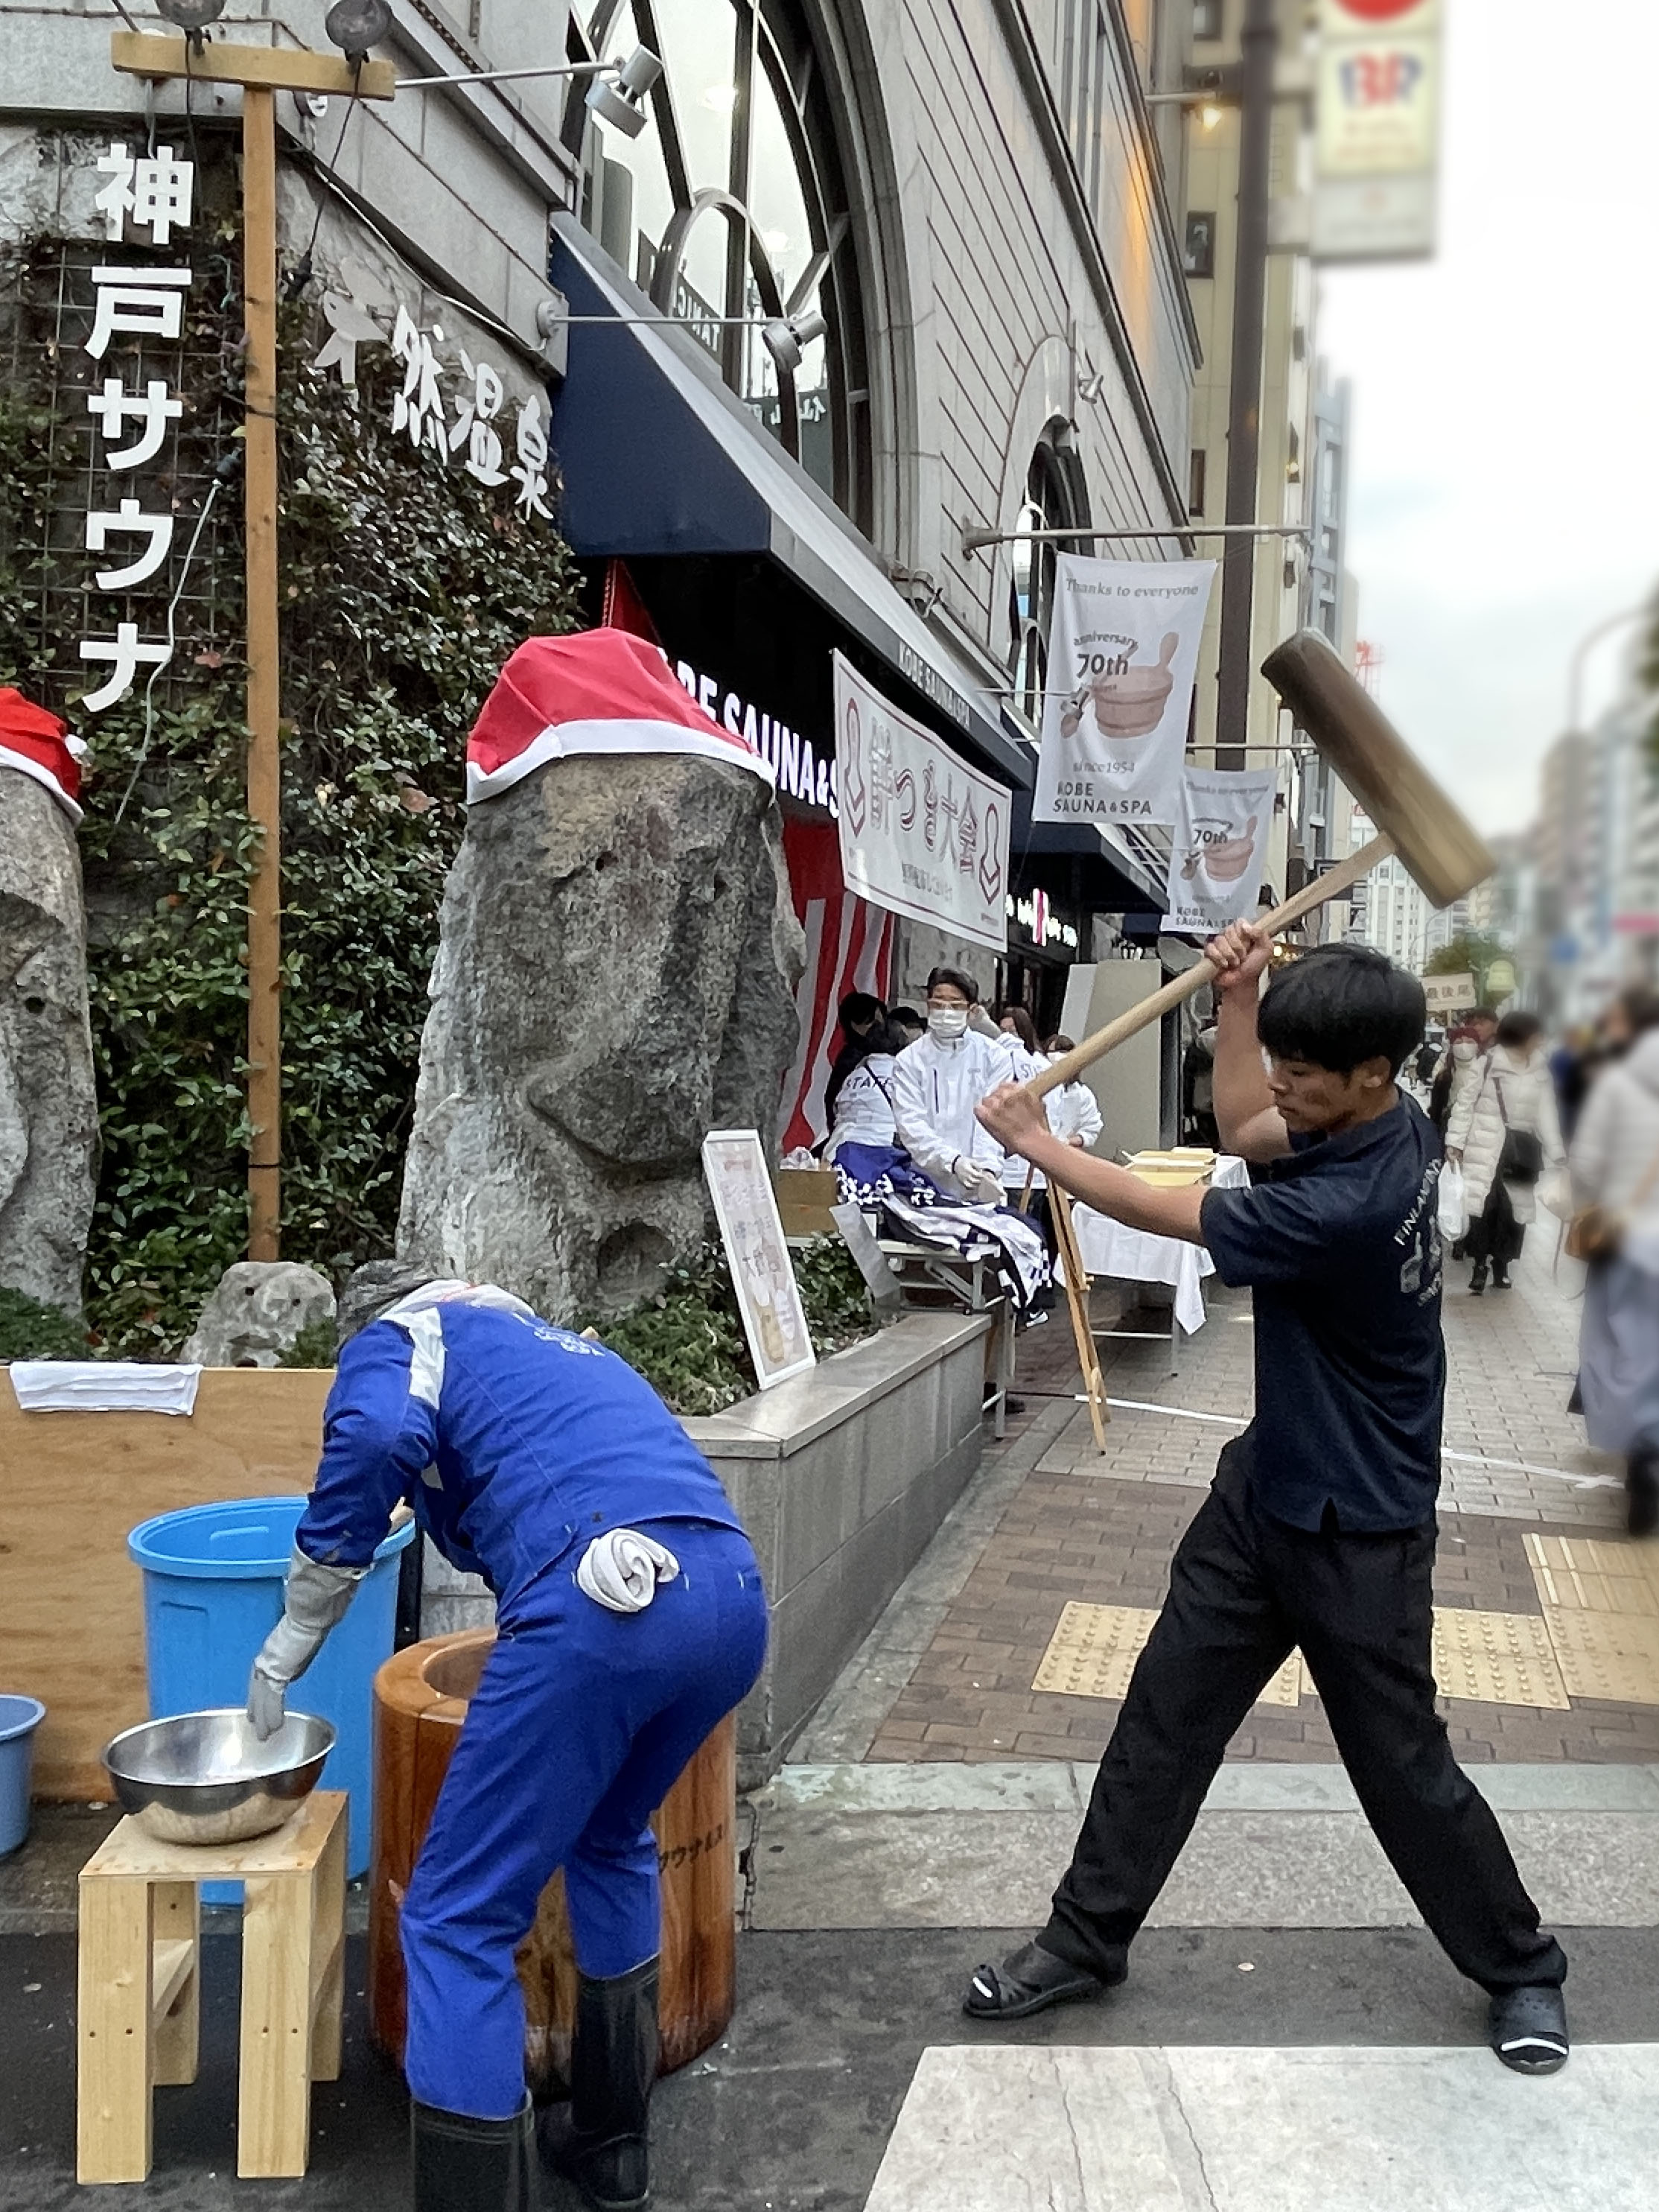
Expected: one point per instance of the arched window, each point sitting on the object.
(731, 202)
(1056, 498)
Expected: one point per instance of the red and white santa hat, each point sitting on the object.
(601, 692)
(38, 743)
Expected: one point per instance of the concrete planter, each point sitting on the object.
(840, 1478)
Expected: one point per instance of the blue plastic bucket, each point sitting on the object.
(19, 1719)
(213, 1592)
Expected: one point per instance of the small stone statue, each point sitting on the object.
(256, 1312)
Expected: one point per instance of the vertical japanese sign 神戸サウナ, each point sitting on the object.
(1222, 822)
(763, 1275)
(1122, 654)
(921, 833)
(146, 192)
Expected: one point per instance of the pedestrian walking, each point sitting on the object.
(631, 1617)
(1319, 1530)
(1614, 1161)
(1503, 1132)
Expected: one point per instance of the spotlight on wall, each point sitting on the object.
(354, 26)
(621, 105)
(192, 16)
(787, 337)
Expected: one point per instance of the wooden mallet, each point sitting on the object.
(1415, 817)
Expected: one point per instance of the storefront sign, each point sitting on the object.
(746, 1208)
(921, 833)
(1377, 130)
(800, 770)
(1123, 653)
(1034, 914)
(1222, 822)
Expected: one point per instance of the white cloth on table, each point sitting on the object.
(103, 1386)
(1135, 1255)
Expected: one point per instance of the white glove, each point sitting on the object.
(621, 1570)
(316, 1597)
(980, 1186)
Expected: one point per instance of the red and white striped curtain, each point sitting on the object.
(849, 947)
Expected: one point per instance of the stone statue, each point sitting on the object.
(48, 1106)
(615, 977)
(257, 1310)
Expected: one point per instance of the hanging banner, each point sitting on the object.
(1217, 863)
(1123, 653)
(921, 833)
(1377, 128)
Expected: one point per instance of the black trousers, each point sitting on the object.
(1245, 1590)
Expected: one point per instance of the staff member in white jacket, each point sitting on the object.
(1514, 1098)
(938, 1082)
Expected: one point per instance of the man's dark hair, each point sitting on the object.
(860, 1006)
(1483, 1014)
(1519, 1028)
(909, 1017)
(1339, 1005)
(958, 978)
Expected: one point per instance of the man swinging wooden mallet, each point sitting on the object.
(1319, 1530)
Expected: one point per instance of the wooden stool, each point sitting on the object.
(140, 1980)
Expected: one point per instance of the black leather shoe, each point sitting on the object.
(1028, 1980)
(464, 2164)
(1529, 2029)
(613, 2066)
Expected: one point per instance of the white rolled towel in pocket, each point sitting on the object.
(621, 1570)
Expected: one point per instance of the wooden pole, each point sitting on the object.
(264, 774)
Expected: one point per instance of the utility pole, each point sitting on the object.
(262, 72)
(1259, 49)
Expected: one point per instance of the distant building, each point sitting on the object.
(1396, 912)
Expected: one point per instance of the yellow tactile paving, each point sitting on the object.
(1592, 1577)
(1496, 1658)
(1092, 1653)
(1607, 1655)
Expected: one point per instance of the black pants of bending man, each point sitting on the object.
(1244, 1590)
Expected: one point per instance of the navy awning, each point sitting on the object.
(658, 457)
(1075, 861)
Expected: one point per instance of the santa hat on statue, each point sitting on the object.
(38, 744)
(601, 692)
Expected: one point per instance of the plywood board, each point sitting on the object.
(1588, 1576)
(1607, 1655)
(71, 1486)
(1092, 1654)
(1496, 1658)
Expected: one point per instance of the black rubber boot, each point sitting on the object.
(613, 2066)
(1642, 1481)
(464, 2164)
(1478, 1279)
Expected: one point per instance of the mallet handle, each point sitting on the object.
(1315, 893)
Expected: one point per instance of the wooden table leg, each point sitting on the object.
(273, 2113)
(176, 1919)
(328, 1957)
(112, 2104)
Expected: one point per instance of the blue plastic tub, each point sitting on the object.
(19, 1719)
(213, 1592)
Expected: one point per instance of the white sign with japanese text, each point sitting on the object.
(763, 1275)
(1450, 994)
(1377, 130)
(1223, 818)
(1122, 655)
(921, 834)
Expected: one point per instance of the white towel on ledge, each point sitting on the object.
(103, 1386)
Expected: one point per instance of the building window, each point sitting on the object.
(1208, 19)
(1197, 255)
(732, 201)
(1056, 498)
(1195, 481)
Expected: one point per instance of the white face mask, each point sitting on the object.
(947, 1023)
(1464, 1050)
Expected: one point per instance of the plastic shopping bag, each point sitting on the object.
(1453, 1213)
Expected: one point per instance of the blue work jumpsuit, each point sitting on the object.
(517, 1444)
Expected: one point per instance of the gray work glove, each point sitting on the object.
(315, 1599)
(980, 1186)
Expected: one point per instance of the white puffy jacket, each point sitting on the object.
(1477, 1126)
(936, 1088)
(1616, 1145)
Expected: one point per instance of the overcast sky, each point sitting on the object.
(1505, 488)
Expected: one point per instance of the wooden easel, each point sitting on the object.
(1077, 1300)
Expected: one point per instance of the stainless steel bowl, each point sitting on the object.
(207, 1778)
